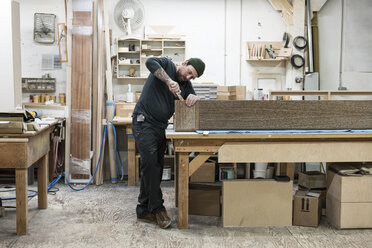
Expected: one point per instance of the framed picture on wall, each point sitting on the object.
(44, 28)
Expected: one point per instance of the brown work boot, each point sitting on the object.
(149, 218)
(162, 219)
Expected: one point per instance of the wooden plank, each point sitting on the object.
(95, 133)
(42, 182)
(183, 190)
(317, 151)
(278, 115)
(80, 93)
(17, 61)
(198, 161)
(287, 169)
(186, 118)
(176, 164)
(100, 97)
(68, 7)
(21, 201)
(131, 162)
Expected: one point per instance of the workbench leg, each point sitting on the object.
(131, 161)
(137, 169)
(183, 190)
(21, 201)
(176, 164)
(235, 165)
(42, 182)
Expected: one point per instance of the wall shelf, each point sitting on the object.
(141, 50)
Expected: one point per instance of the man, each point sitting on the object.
(150, 119)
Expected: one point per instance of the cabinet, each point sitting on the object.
(133, 53)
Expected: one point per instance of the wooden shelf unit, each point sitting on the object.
(256, 51)
(137, 51)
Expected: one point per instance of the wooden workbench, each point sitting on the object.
(133, 176)
(20, 151)
(244, 148)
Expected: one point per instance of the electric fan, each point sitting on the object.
(129, 15)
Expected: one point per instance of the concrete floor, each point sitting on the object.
(104, 216)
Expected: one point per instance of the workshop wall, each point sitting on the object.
(32, 51)
(329, 23)
(222, 45)
(215, 30)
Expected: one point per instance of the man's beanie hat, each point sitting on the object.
(198, 64)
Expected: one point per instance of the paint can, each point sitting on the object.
(62, 98)
(36, 99)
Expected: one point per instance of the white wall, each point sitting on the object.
(31, 50)
(223, 48)
(329, 24)
(222, 45)
(10, 53)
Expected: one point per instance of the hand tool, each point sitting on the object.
(179, 96)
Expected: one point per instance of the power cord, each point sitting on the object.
(55, 181)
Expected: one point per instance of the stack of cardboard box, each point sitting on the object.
(349, 197)
(124, 109)
(231, 92)
(307, 202)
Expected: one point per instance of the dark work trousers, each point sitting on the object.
(151, 144)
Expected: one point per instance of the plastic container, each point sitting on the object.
(260, 166)
(259, 174)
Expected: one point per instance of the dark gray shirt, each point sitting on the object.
(157, 101)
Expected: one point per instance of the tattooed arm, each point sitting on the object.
(155, 66)
(163, 76)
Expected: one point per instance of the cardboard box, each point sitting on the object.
(349, 188)
(223, 97)
(222, 88)
(312, 179)
(349, 199)
(205, 174)
(349, 214)
(254, 203)
(307, 209)
(237, 90)
(124, 109)
(205, 199)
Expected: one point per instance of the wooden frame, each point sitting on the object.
(358, 148)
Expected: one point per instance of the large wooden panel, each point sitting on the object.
(253, 203)
(273, 152)
(80, 96)
(273, 115)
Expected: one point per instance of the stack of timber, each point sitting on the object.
(80, 95)
(273, 115)
(236, 92)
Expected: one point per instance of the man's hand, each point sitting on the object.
(173, 87)
(191, 100)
